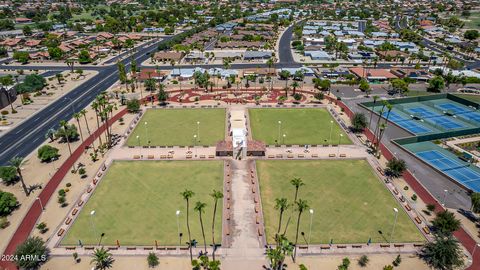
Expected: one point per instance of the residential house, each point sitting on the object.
(168, 56)
(257, 55)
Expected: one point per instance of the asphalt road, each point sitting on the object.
(26, 137)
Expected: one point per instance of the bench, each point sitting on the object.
(136, 157)
(343, 155)
(256, 208)
(253, 181)
(302, 247)
(314, 155)
(301, 155)
(253, 190)
(211, 156)
(408, 207)
(80, 203)
(89, 189)
(74, 212)
(398, 245)
(227, 231)
(356, 246)
(94, 181)
(202, 156)
(163, 156)
(228, 205)
(99, 174)
(395, 191)
(418, 220)
(279, 156)
(150, 157)
(131, 248)
(257, 220)
(255, 199)
(228, 197)
(417, 245)
(426, 230)
(402, 199)
(60, 232)
(260, 231)
(331, 155)
(70, 248)
(289, 156)
(148, 248)
(384, 245)
(169, 156)
(189, 156)
(113, 248)
(341, 246)
(271, 156)
(68, 221)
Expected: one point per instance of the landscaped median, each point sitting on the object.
(136, 203)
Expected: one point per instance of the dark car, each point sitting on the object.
(468, 214)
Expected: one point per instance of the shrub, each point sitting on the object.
(82, 172)
(431, 207)
(68, 185)
(414, 197)
(388, 267)
(359, 122)
(8, 203)
(42, 227)
(395, 167)
(32, 247)
(4, 112)
(70, 131)
(397, 261)
(297, 97)
(363, 261)
(32, 83)
(152, 259)
(47, 153)
(61, 192)
(4, 222)
(8, 174)
(133, 105)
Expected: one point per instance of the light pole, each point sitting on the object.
(146, 133)
(338, 146)
(195, 143)
(331, 129)
(279, 129)
(92, 215)
(178, 227)
(445, 197)
(284, 135)
(41, 204)
(198, 130)
(138, 141)
(475, 249)
(310, 230)
(394, 223)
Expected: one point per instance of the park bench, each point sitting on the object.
(202, 156)
(418, 220)
(302, 247)
(70, 248)
(169, 156)
(80, 203)
(314, 155)
(301, 155)
(99, 174)
(253, 181)
(74, 212)
(341, 246)
(343, 155)
(255, 199)
(324, 247)
(163, 156)
(395, 191)
(402, 199)
(408, 207)
(211, 156)
(257, 220)
(94, 181)
(253, 190)
(417, 245)
(60, 232)
(89, 189)
(189, 156)
(331, 155)
(150, 157)
(260, 231)
(228, 197)
(271, 156)
(256, 208)
(136, 157)
(398, 245)
(289, 156)
(356, 246)
(384, 245)
(131, 248)
(68, 221)
(279, 156)
(148, 248)
(426, 230)
(228, 205)
(227, 231)
(89, 248)
(112, 248)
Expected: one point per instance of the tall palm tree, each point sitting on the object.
(384, 103)
(77, 116)
(375, 98)
(389, 109)
(294, 85)
(281, 204)
(187, 195)
(17, 163)
(301, 206)
(83, 112)
(200, 208)
(216, 195)
(96, 108)
(64, 124)
(297, 183)
(102, 259)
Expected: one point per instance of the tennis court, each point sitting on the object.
(461, 111)
(406, 123)
(435, 118)
(461, 171)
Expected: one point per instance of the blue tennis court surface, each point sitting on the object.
(408, 124)
(435, 118)
(453, 108)
(423, 113)
(456, 169)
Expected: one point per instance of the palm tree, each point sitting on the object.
(83, 112)
(281, 204)
(302, 205)
(375, 98)
(294, 85)
(389, 109)
(64, 125)
(17, 163)
(297, 183)
(378, 121)
(187, 195)
(200, 208)
(77, 116)
(102, 259)
(216, 195)
(96, 108)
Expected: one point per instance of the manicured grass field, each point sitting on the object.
(176, 127)
(136, 203)
(350, 203)
(300, 126)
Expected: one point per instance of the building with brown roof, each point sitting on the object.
(168, 56)
(372, 74)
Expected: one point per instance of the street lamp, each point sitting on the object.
(198, 130)
(475, 249)
(284, 135)
(331, 129)
(445, 197)
(279, 129)
(338, 146)
(178, 227)
(394, 223)
(146, 133)
(195, 144)
(41, 204)
(310, 230)
(92, 215)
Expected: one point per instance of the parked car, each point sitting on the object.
(468, 214)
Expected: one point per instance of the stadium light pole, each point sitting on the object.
(394, 223)
(41, 204)
(92, 215)
(310, 229)
(338, 146)
(331, 129)
(178, 227)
